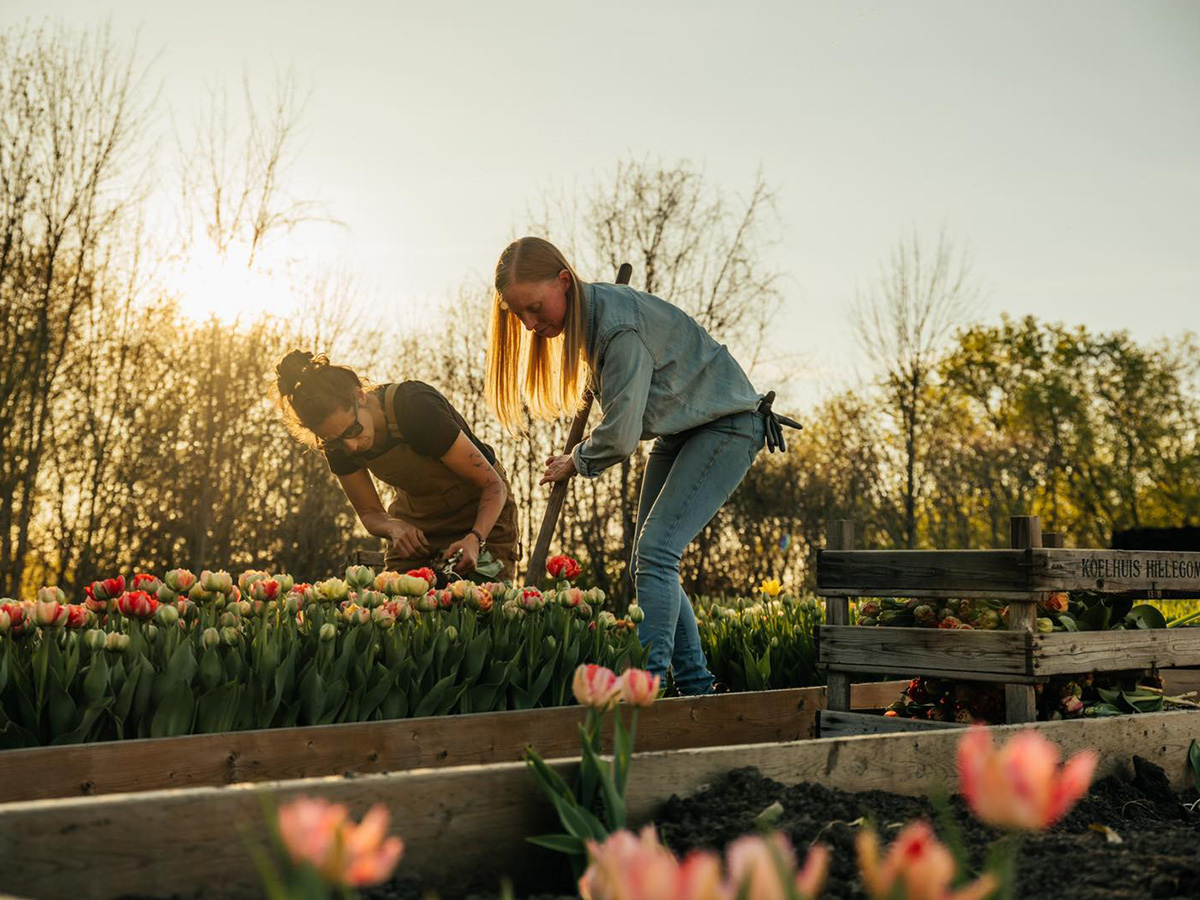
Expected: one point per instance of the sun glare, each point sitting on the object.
(208, 284)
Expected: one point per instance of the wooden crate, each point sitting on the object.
(1019, 658)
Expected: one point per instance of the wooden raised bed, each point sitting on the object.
(390, 746)
(467, 825)
(1018, 657)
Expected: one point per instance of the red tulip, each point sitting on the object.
(562, 567)
(137, 605)
(424, 572)
(49, 614)
(77, 615)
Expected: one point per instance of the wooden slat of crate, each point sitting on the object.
(984, 655)
(836, 723)
(1077, 652)
(999, 574)
(472, 821)
(1116, 571)
(437, 741)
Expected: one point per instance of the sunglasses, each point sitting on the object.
(353, 430)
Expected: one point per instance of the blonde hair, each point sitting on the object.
(553, 382)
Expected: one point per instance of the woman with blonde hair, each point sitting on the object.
(452, 496)
(656, 374)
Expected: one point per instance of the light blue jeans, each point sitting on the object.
(689, 476)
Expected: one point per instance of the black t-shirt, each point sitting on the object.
(428, 423)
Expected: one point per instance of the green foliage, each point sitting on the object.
(761, 644)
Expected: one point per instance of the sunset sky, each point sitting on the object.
(1060, 141)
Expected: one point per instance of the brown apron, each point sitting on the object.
(438, 501)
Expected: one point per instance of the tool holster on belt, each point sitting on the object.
(774, 423)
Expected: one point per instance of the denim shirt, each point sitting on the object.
(657, 372)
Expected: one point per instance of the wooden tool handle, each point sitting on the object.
(558, 494)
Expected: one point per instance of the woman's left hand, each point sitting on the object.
(469, 545)
(558, 468)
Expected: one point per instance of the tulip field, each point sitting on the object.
(151, 664)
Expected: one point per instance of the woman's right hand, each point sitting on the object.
(407, 539)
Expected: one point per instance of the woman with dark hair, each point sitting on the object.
(452, 495)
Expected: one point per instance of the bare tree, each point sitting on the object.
(902, 324)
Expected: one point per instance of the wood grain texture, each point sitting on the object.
(1063, 653)
(474, 819)
(1116, 571)
(839, 535)
(437, 741)
(835, 723)
(925, 650)
(1003, 574)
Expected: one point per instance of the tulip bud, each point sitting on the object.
(594, 596)
(78, 615)
(109, 588)
(164, 594)
(636, 614)
(291, 604)
(583, 611)
(95, 639)
(229, 636)
(607, 619)
(401, 610)
(5, 621)
(333, 589)
(371, 599)
(179, 580)
(264, 590)
(151, 631)
(117, 642)
(510, 610)
(1045, 626)
(286, 582)
(167, 615)
(220, 582)
(249, 578)
(210, 638)
(327, 633)
(228, 620)
(383, 617)
(49, 614)
(51, 595)
(451, 633)
(359, 576)
(144, 582)
(550, 643)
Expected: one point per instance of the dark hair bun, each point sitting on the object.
(292, 370)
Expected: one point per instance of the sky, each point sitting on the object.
(1059, 142)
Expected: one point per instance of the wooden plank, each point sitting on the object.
(958, 674)
(468, 825)
(835, 723)
(1116, 571)
(1020, 700)
(839, 535)
(439, 741)
(1002, 574)
(924, 650)
(1075, 652)
(372, 558)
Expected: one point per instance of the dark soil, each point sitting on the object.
(1158, 857)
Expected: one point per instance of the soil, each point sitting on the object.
(1158, 855)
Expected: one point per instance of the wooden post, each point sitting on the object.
(537, 560)
(1053, 540)
(1020, 701)
(839, 535)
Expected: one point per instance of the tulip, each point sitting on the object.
(594, 596)
(220, 582)
(400, 609)
(197, 594)
(451, 633)
(461, 589)
(640, 868)
(320, 834)
(388, 582)
(333, 589)
(353, 614)
(562, 567)
(360, 576)
(109, 588)
(327, 633)
(266, 589)
(143, 582)
(51, 595)
(570, 598)
(635, 614)
(371, 599)
(771, 587)
(582, 611)
(639, 687)
(606, 619)
(596, 686)
(167, 615)
(760, 867)
(383, 617)
(531, 599)
(78, 615)
(426, 602)
(229, 636)
(49, 614)
(5, 621)
(510, 610)
(1044, 625)
(1072, 705)
(180, 580)
(117, 642)
(445, 598)
(1020, 785)
(481, 601)
(1056, 602)
(137, 604)
(95, 639)
(918, 867)
(249, 578)
(426, 574)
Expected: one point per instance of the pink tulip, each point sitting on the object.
(1021, 785)
(759, 868)
(639, 687)
(50, 614)
(596, 686)
(918, 867)
(77, 615)
(320, 833)
(626, 867)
